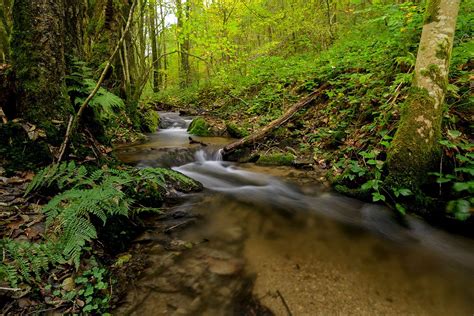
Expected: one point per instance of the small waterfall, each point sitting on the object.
(208, 155)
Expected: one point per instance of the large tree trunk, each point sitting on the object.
(415, 148)
(38, 59)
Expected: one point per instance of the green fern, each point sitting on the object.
(80, 84)
(102, 193)
(61, 175)
(23, 260)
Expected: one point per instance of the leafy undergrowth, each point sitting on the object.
(110, 118)
(51, 252)
(369, 71)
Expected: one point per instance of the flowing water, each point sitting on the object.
(297, 247)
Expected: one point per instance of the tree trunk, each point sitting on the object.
(155, 51)
(38, 59)
(415, 148)
(183, 43)
(164, 77)
(74, 28)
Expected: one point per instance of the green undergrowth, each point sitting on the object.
(86, 200)
(111, 118)
(369, 71)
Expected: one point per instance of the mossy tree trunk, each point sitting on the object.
(415, 148)
(38, 60)
(74, 28)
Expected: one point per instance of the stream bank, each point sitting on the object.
(272, 236)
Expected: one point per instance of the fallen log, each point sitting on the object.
(250, 139)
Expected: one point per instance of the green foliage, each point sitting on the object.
(61, 175)
(93, 290)
(24, 261)
(106, 105)
(88, 197)
(88, 291)
(458, 182)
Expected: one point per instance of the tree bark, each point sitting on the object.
(38, 60)
(183, 43)
(246, 141)
(74, 28)
(415, 150)
(155, 50)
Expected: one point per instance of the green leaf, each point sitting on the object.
(467, 170)
(371, 184)
(89, 291)
(447, 144)
(462, 210)
(454, 133)
(405, 192)
(464, 186)
(371, 162)
(376, 196)
(400, 208)
(442, 180)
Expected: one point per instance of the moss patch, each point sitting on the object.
(415, 150)
(434, 73)
(199, 127)
(276, 160)
(235, 131)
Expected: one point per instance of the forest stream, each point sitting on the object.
(269, 240)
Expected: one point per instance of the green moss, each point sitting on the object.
(442, 51)
(235, 131)
(150, 121)
(42, 93)
(434, 73)
(432, 11)
(415, 150)
(276, 160)
(199, 127)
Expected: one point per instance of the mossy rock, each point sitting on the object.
(235, 131)
(199, 127)
(276, 159)
(182, 183)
